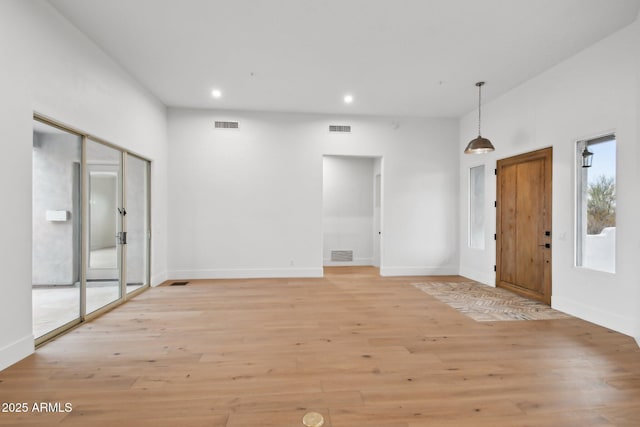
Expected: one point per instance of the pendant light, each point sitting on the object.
(479, 145)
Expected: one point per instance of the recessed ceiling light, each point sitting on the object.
(348, 99)
(216, 93)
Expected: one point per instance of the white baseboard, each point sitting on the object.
(609, 320)
(159, 278)
(16, 351)
(355, 262)
(418, 271)
(487, 278)
(257, 273)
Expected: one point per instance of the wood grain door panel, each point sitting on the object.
(508, 217)
(523, 262)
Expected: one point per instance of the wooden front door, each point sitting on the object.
(523, 241)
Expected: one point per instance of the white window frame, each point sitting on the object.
(581, 197)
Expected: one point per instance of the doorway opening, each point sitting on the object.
(352, 211)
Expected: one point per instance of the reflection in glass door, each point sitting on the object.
(137, 223)
(104, 229)
(56, 228)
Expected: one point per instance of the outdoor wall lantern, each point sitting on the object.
(587, 157)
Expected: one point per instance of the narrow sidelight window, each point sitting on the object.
(596, 203)
(476, 207)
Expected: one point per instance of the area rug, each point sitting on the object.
(487, 304)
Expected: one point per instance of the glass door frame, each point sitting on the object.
(84, 241)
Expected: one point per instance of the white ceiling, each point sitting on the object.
(397, 57)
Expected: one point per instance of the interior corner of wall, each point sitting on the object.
(159, 278)
(16, 351)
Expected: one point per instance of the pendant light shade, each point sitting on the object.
(479, 145)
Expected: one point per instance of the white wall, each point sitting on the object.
(51, 68)
(248, 202)
(347, 208)
(587, 95)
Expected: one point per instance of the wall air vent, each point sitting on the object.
(340, 128)
(342, 256)
(226, 125)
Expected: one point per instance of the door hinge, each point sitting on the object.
(495, 268)
(495, 171)
(495, 237)
(495, 204)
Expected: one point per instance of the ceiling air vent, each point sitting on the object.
(342, 256)
(339, 128)
(226, 125)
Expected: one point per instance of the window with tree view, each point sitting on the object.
(596, 199)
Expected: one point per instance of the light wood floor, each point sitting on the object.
(360, 349)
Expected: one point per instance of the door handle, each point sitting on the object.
(122, 237)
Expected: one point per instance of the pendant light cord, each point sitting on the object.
(479, 84)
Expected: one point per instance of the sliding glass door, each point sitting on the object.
(137, 223)
(56, 228)
(104, 228)
(91, 227)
